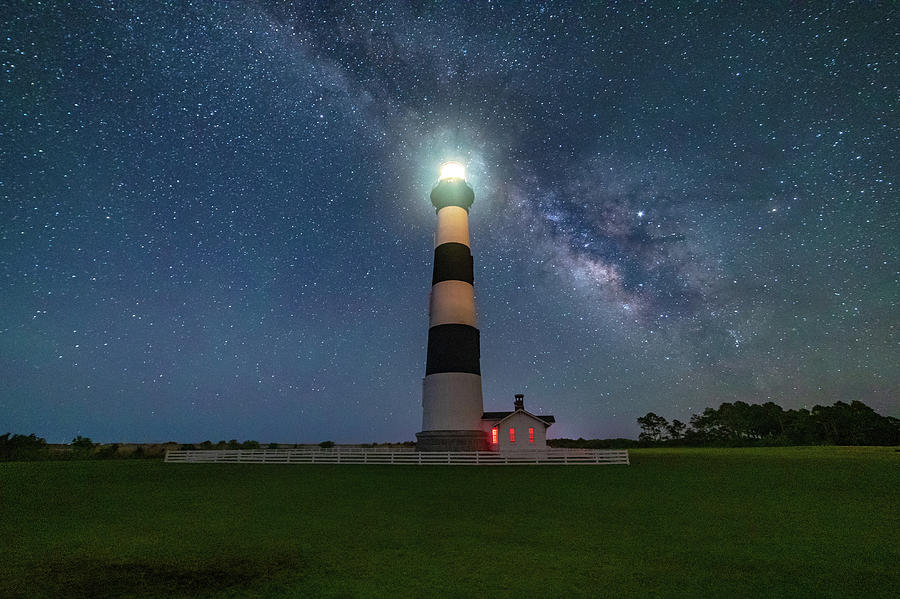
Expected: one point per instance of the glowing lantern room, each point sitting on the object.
(452, 170)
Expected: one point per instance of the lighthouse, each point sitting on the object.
(452, 403)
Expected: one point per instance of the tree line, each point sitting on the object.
(740, 423)
(32, 447)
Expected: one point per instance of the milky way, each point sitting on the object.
(215, 221)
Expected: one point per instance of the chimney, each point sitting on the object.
(519, 403)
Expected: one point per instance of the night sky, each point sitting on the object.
(215, 220)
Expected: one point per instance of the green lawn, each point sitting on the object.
(774, 522)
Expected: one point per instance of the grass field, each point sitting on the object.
(774, 522)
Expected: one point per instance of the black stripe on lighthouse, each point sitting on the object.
(453, 348)
(453, 262)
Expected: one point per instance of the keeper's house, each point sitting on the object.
(517, 430)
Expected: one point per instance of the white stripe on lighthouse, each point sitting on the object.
(452, 302)
(451, 401)
(452, 226)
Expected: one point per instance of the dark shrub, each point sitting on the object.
(85, 443)
(108, 451)
(23, 447)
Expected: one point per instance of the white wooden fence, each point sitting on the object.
(400, 457)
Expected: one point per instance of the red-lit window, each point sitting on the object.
(495, 435)
(512, 435)
(531, 435)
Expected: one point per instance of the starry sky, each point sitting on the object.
(215, 220)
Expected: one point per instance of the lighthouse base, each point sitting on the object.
(452, 441)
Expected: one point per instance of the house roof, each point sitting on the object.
(498, 416)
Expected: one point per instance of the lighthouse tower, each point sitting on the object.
(452, 404)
